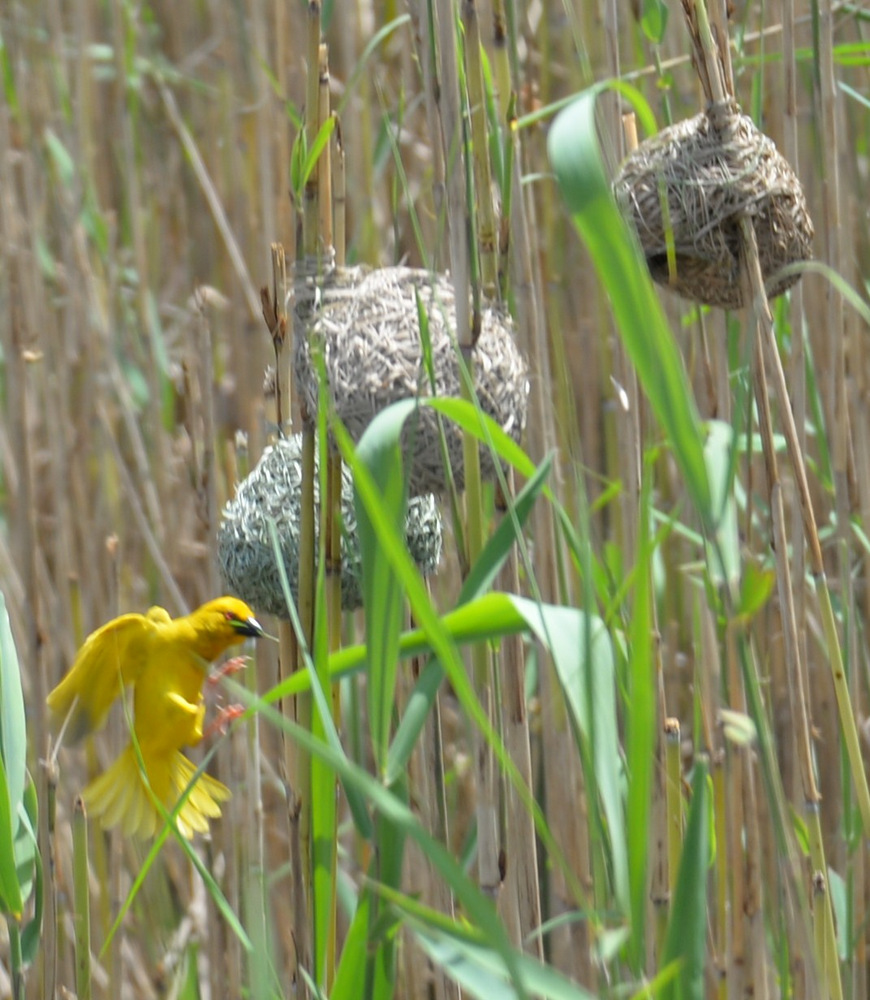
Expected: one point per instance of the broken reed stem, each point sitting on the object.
(310, 200)
(275, 316)
(339, 197)
(324, 164)
(206, 482)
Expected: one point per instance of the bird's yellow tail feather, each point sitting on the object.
(120, 797)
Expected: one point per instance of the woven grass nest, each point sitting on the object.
(713, 167)
(272, 492)
(368, 323)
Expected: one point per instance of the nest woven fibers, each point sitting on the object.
(708, 171)
(272, 492)
(368, 324)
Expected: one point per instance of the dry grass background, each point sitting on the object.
(144, 173)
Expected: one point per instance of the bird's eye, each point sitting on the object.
(230, 617)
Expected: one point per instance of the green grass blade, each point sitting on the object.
(383, 606)
(494, 554)
(351, 966)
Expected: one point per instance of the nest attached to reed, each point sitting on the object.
(367, 322)
(272, 492)
(708, 171)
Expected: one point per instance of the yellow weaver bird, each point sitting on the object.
(165, 660)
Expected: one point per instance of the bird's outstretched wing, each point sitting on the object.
(110, 659)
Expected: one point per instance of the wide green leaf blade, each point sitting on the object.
(723, 548)
(13, 727)
(10, 889)
(380, 452)
(481, 973)
(583, 656)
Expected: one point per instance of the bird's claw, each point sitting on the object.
(226, 669)
(223, 719)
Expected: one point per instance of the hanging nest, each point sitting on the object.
(368, 324)
(272, 492)
(712, 168)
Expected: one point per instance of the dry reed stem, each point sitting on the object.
(562, 781)
(339, 198)
(450, 112)
(425, 41)
(490, 845)
(839, 414)
(522, 891)
(139, 516)
(213, 199)
(715, 77)
(331, 516)
(484, 213)
(301, 806)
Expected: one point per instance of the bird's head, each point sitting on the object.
(222, 623)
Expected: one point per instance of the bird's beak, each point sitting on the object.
(250, 626)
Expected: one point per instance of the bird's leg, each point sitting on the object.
(228, 713)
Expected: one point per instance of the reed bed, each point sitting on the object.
(616, 744)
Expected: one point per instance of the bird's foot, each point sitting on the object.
(227, 669)
(221, 722)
